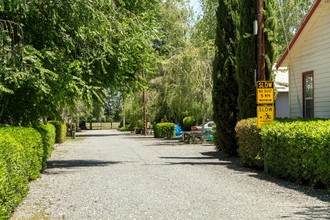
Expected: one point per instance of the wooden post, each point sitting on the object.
(144, 110)
(261, 42)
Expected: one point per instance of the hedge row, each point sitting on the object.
(164, 129)
(23, 154)
(48, 134)
(295, 150)
(13, 174)
(299, 151)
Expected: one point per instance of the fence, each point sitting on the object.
(102, 125)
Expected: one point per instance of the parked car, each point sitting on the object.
(207, 129)
(207, 126)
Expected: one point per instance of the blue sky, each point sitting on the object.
(195, 4)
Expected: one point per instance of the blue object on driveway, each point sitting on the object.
(208, 137)
(178, 130)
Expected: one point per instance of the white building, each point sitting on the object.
(282, 93)
(308, 62)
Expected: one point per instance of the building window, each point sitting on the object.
(308, 94)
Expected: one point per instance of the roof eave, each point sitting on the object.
(296, 36)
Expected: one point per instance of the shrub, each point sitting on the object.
(33, 147)
(164, 129)
(298, 151)
(128, 127)
(139, 124)
(13, 174)
(249, 143)
(48, 134)
(23, 154)
(60, 131)
(188, 122)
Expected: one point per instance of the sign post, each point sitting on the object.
(265, 101)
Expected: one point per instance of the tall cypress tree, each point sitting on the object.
(247, 53)
(271, 36)
(246, 60)
(224, 83)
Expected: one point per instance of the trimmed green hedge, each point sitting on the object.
(60, 131)
(23, 154)
(33, 146)
(298, 151)
(48, 133)
(13, 174)
(164, 129)
(294, 149)
(249, 142)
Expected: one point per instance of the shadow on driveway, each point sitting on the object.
(313, 192)
(233, 163)
(207, 156)
(98, 135)
(78, 163)
(223, 159)
(314, 212)
(198, 163)
(263, 176)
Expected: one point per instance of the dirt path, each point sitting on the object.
(111, 175)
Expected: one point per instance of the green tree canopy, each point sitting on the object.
(72, 50)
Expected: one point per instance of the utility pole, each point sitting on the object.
(265, 89)
(144, 110)
(261, 42)
(122, 109)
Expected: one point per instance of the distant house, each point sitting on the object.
(282, 93)
(308, 61)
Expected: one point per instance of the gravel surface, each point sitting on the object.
(111, 175)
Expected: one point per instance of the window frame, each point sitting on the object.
(304, 76)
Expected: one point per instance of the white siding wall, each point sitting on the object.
(282, 105)
(312, 53)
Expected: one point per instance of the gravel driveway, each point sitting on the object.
(112, 175)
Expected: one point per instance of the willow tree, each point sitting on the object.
(224, 83)
(203, 36)
(204, 30)
(184, 82)
(187, 84)
(290, 14)
(171, 89)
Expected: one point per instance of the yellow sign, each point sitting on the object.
(265, 92)
(265, 114)
(265, 84)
